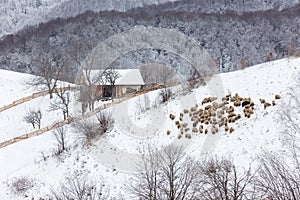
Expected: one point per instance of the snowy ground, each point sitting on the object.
(114, 157)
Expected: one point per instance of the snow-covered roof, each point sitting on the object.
(127, 77)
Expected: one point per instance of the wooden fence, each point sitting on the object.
(33, 96)
(77, 118)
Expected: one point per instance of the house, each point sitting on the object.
(127, 81)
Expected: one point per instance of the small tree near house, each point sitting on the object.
(34, 118)
(110, 77)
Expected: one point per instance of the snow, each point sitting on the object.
(126, 77)
(114, 157)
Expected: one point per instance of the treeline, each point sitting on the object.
(234, 40)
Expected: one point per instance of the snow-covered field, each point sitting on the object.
(114, 157)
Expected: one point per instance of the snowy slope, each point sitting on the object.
(17, 14)
(114, 157)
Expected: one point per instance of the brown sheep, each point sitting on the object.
(193, 109)
(181, 114)
(186, 129)
(184, 125)
(200, 130)
(273, 103)
(206, 131)
(177, 123)
(172, 117)
(277, 96)
(231, 115)
(237, 103)
(168, 132)
(221, 124)
(195, 130)
(185, 111)
(179, 136)
(188, 136)
(201, 126)
(226, 128)
(225, 99)
(266, 104)
(262, 101)
(208, 107)
(231, 129)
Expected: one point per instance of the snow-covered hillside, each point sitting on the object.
(17, 14)
(114, 157)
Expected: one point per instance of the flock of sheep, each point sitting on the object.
(213, 116)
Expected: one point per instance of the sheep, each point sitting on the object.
(231, 120)
(181, 114)
(226, 128)
(208, 100)
(205, 100)
(262, 101)
(206, 122)
(179, 136)
(172, 117)
(195, 130)
(214, 129)
(246, 103)
(231, 129)
(188, 136)
(201, 127)
(177, 123)
(237, 103)
(185, 111)
(221, 124)
(232, 114)
(219, 115)
(220, 105)
(208, 107)
(266, 104)
(180, 118)
(206, 131)
(273, 103)
(193, 109)
(184, 125)
(200, 130)
(195, 124)
(215, 105)
(168, 132)
(225, 99)
(186, 129)
(277, 96)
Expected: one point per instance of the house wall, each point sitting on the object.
(126, 88)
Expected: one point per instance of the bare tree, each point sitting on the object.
(146, 73)
(62, 102)
(81, 188)
(34, 118)
(220, 180)
(111, 75)
(277, 180)
(49, 70)
(91, 79)
(61, 140)
(166, 174)
(91, 129)
(105, 121)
